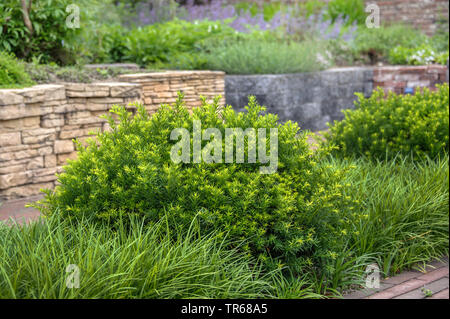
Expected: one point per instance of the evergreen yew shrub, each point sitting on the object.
(295, 217)
(383, 126)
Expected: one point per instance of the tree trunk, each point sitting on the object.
(26, 14)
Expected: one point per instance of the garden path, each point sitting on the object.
(431, 282)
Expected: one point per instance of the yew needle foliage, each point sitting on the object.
(384, 126)
(293, 217)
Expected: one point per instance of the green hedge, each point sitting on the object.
(383, 126)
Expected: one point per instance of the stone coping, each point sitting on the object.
(142, 77)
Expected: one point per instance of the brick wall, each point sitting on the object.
(397, 78)
(162, 87)
(422, 14)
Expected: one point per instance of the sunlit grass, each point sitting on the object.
(407, 209)
(143, 262)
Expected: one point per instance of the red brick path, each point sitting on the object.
(411, 284)
(16, 210)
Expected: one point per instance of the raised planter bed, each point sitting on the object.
(313, 99)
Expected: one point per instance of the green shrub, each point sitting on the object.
(352, 10)
(375, 44)
(424, 54)
(12, 72)
(105, 44)
(259, 55)
(292, 217)
(101, 38)
(160, 44)
(311, 7)
(268, 10)
(50, 33)
(383, 126)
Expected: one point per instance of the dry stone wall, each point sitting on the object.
(162, 87)
(38, 124)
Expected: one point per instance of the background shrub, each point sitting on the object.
(159, 45)
(374, 44)
(421, 55)
(383, 126)
(262, 55)
(351, 10)
(289, 218)
(48, 40)
(12, 72)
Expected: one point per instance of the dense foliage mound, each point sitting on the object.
(12, 72)
(383, 126)
(293, 217)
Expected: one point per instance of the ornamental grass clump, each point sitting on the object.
(293, 217)
(136, 261)
(383, 126)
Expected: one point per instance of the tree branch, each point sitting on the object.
(26, 15)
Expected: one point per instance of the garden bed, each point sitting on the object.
(142, 208)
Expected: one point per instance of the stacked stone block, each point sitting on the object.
(162, 87)
(38, 125)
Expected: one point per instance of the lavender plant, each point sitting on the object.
(291, 20)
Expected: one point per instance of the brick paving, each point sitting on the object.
(16, 210)
(413, 284)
